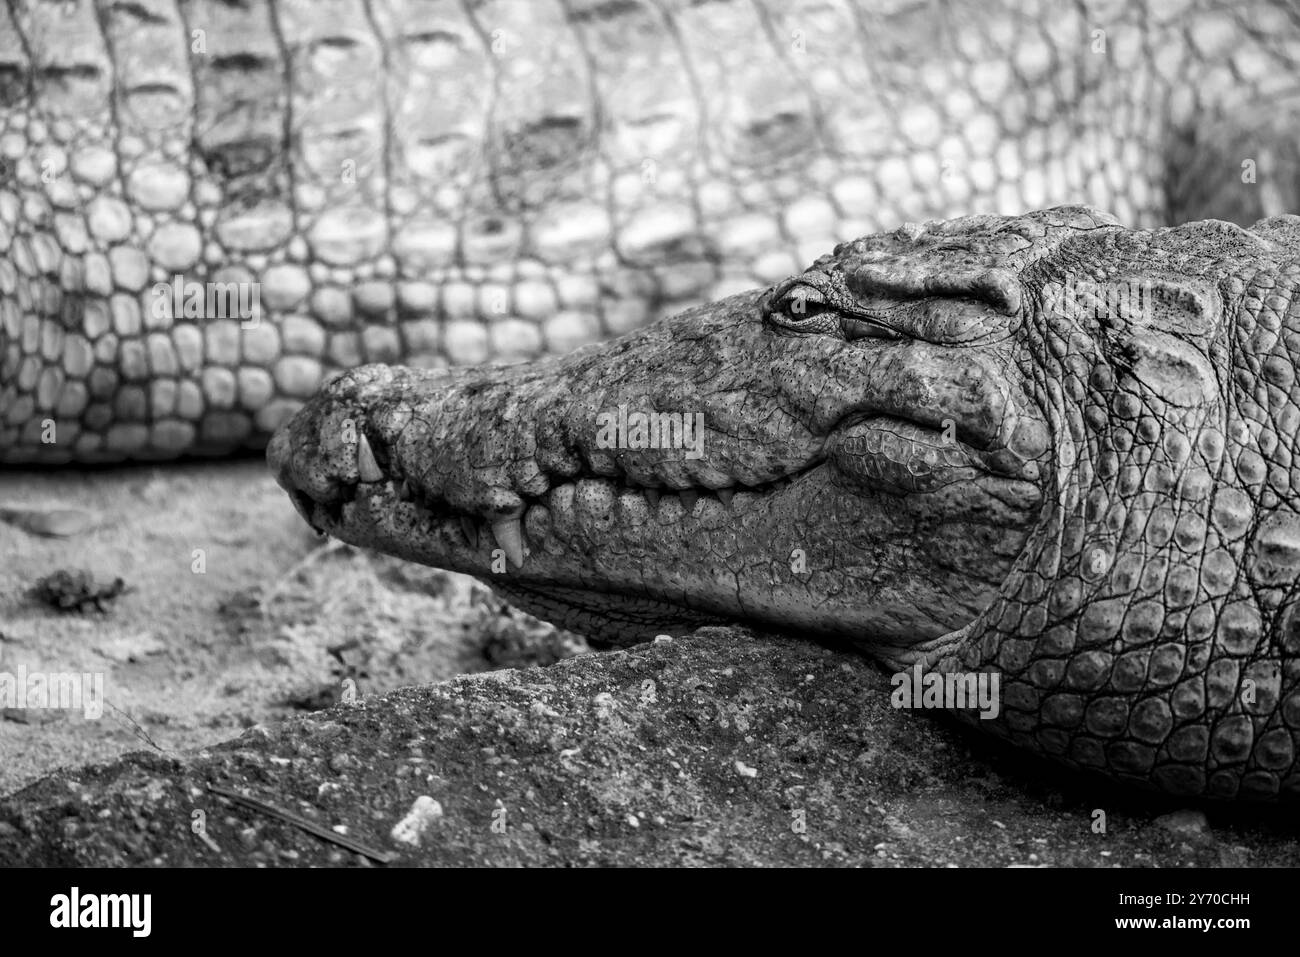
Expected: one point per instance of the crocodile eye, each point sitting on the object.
(801, 307)
(801, 301)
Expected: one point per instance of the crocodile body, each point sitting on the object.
(1047, 448)
(446, 182)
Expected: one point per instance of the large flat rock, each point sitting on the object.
(718, 748)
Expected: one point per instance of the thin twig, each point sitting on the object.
(311, 827)
(137, 730)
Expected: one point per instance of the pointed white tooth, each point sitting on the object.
(652, 496)
(404, 491)
(470, 532)
(367, 467)
(725, 495)
(689, 497)
(509, 534)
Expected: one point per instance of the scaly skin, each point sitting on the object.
(443, 182)
(925, 444)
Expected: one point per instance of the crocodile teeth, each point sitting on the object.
(471, 533)
(652, 496)
(509, 535)
(689, 498)
(404, 491)
(725, 495)
(303, 506)
(367, 467)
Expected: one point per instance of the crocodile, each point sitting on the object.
(448, 182)
(1045, 449)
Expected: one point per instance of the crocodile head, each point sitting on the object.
(859, 451)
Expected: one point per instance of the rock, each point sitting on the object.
(1185, 823)
(51, 523)
(127, 648)
(77, 590)
(570, 783)
(424, 812)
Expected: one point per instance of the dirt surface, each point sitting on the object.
(235, 614)
(719, 748)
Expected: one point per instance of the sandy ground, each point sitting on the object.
(236, 613)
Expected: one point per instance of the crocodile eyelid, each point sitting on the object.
(866, 327)
(787, 293)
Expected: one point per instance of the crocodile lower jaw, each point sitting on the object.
(622, 564)
(525, 560)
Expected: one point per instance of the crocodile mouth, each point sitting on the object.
(469, 535)
(557, 559)
(620, 562)
(878, 452)
(866, 452)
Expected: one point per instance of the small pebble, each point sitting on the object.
(411, 828)
(1185, 822)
